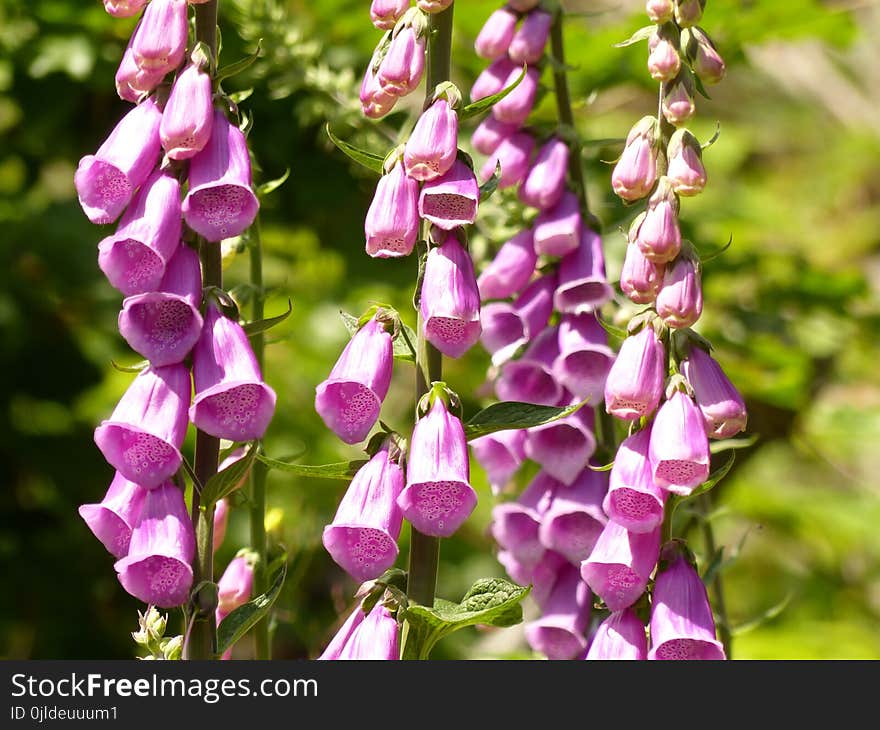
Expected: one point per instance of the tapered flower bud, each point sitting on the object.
(513, 154)
(558, 230)
(164, 325)
(438, 496)
(658, 234)
(530, 378)
(679, 449)
(545, 181)
(232, 401)
(386, 13)
(527, 44)
(105, 182)
(401, 70)
(493, 79)
(722, 406)
(135, 258)
(635, 382)
(451, 200)
(682, 625)
(221, 202)
(157, 569)
(500, 454)
(680, 299)
(350, 399)
(132, 82)
(636, 171)
(142, 437)
(574, 519)
(633, 500)
(686, 172)
(704, 57)
(620, 637)
(640, 279)
(678, 99)
(563, 447)
(621, 564)
(688, 12)
(506, 327)
(124, 8)
(559, 632)
(663, 60)
(375, 638)
(114, 517)
(375, 101)
(515, 524)
(584, 357)
(659, 11)
(494, 37)
(188, 117)
(362, 538)
(517, 105)
(221, 521)
(391, 226)
(489, 134)
(235, 586)
(341, 638)
(433, 145)
(511, 268)
(159, 43)
(433, 6)
(583, 286)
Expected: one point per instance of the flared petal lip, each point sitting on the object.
(355, 437)
(91, 514)
(260, 424)
(430, 527)
(172, 355)
(123, 565)
(120, 464)
(713, 643)
(210, 231)
(351, 566)
(550, 623)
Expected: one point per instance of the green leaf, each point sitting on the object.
(491, 185)
(513, 414)
(640, 35)
(371, 161)
(715, 477)
(705, 258)
(489, 602)
(272, 185)
(243, 618)
(239, 96)
(405, 344)
(227, 481)
(716, 447)
(487, 102)
(340, 470)
(352, 323)
(611, 329)
(136, 368)
(233, 69)
(261, 325)
(763, 618)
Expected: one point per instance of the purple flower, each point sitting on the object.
(500, 454)
(663, 61)
(688, 12)
(235, 586)
(433, 6)
(705, 59)
(636, 171)
(515, 524)
(659, 11)
(114, 517)
(620, 565)
(633, 500)
(438, 496)
(619, 637)
(105, 182)
(682, 626)
(545, 182)
(635, 382)
(517, 105)
(564, 446)
(513, 154)
(132, 82)
(583, 286)
(221, 519)
(530, 378)
(527, 45)
(220, 202)
(574, 520)
(686, 172)
(392, 222)
(492, 78)
(494, 37)
(188, 117)
(124, 8)
(680, 299)
(722, 406)
(658, 234)
(679, 449)
(559, 632)
(432, 146)
(142, 437)
(157, 568)
(341, 638)
(375, 637)
(362, 538)
(511, 268)
(558, 230)
(164, 325)
(386, 13)
(350, 399)
(678, 100)
(232, 401)
(375, 101)
(584, 358)
(450, 301)
(451, 200)
(506, 327)
(159, 43)
(401, 70)
(489, 134)
(640, 279)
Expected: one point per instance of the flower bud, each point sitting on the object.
(678, 99)
(584, 358)
(583, 286)
(221, 518)
(511, 268)
(530, 378)
(492, 78)
(686, 173)
(620, 637)
(159, 43)
(680, 299)
(494, 37)
(124, 8)
(688, 12)
(573, 521)
(235, 586)
(527, 44)
(500, 454)
(633, 500)
(679, 449)
(188, 117)
(659, 11)
(386, 13)
(559, 632)
(334, 649)
(391, 226)
(663, 61)
(640, 279)
(433, 6)
(545, 181)
(517, 105)
(401, 70)
(133, 82)
(658, 235)
(722, 406)
(375, 101)
(513, 154)
(635, 382)
(451, 200)
(704, 57)
(376, 638)
(563, 447)
(433, 145)
(636, 171)
(557, 230)
(113, 519)
(489, 134)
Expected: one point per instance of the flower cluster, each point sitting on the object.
(174, 166)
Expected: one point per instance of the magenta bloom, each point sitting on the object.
(619, 637)
(386, 13)
(636, 171)
(506, 327)
(220, 202)
(489, 134)
(559, 632)
(362, 538)
(492, 78)
(706, 60)
(659, 236)
(375, 101)
(530, 378)
(124, 8)
(686, 172)
(235, 586)
(517, 105)
(105, 182)
(574, 520)
(450, 300)
(340, 639)
(682, 625)
(513, 154)
(633, 500)
(511, 268)
(663, 61)
(563, 447)
(451, 200)
(188, 117)
(375, 637)
(621, 564)
(679, 449)
(164, 325)
(659, 11)
(494, 37)
(678, 100)
(404, 63)
(635, 382)
(142, 437)
(433, 145)
(722, 406)
(392, 223)
(500, 454)
(640, 279)
(545, 182)
(438, 496)
(157, 568)
(558, 230)
(132, 82)
(350, 399)
(221, 520)
(515, 524)
(527, 45)
(114, 517)
(232, 401)
(159, 43)
(680, 299)
(583, 286)
(584, 358)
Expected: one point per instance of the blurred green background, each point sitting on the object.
(792, 307)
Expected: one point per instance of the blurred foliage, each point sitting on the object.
(792, 307)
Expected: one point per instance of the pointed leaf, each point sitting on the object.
(341, 470)
(640, 35)
(272, 185)
(487, 102)
(405, 344)
(233, 69)
(243, 618)
(513, 414)
(231, 478)
(716, 447)
(491, 185)
(261, 325)
(136, 368)
(715, 477)
(371, 161)
(763, 618)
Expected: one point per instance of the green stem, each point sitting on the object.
(705, 506)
